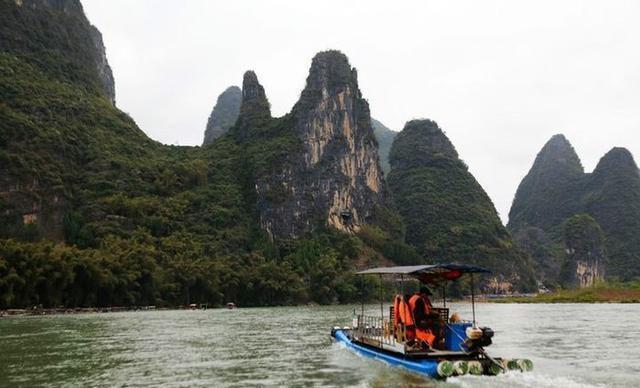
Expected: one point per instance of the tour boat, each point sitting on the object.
(458, 347)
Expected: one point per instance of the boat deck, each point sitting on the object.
(398, 348)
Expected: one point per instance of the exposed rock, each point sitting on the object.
(385, 137)
(255, 110)
(557, 188)
(102, 65)
(61, 28)
(224, 114)
(584, 252)
(334, 179)
(449, 216)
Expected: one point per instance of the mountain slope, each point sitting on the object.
(448, 215)
(556, 188)
(327, 172)
(94, 213)
(548, 194)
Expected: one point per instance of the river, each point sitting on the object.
(571, 346)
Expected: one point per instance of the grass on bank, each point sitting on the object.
(601, 293)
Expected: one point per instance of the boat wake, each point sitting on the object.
(516, 379)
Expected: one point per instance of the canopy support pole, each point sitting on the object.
(381, 301)
(362, 295)
(473, 301)
(444, 296)
(402, 285)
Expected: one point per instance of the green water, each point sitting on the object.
(571, 346)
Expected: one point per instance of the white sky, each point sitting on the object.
(500, 77)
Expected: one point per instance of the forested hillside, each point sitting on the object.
(557, 188)
(447, 213)
(96, 213)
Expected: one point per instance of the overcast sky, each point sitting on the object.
(500, 77)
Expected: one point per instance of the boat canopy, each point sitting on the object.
(429, 273)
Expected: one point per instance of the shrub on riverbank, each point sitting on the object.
(601, 293)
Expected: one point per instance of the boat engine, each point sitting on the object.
(478, 337)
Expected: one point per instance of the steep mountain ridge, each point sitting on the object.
(449, 216)
(52, 34)
(554, 176)
(93, 212)
(557, 188)
(330, 174)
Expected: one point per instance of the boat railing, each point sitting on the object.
(374, 330)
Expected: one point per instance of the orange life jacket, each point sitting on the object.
(402, 312)
(421, 334)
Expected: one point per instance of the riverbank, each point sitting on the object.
(598, 294)
(88, 310)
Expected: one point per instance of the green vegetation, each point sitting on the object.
(224, 114)
(556, 188)
(601, 293)
(385, 137)
(448, 215)
(123, 220)
(145, 223)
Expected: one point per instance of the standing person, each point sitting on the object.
(420, 306)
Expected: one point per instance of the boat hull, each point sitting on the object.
(425, 367)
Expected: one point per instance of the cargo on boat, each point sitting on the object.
(422, 338)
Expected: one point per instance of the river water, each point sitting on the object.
(570, 345)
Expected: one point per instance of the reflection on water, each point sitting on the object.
(571, 346)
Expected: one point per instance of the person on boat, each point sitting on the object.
(421, 307)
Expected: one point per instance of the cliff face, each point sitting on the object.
(105, 75)
(94, 213)
(46, 46)
(448, 215)
(330, 175)
(556, 188)
(57, 31)
(584, 252)
(224, 114)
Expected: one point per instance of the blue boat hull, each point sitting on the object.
(424, 367)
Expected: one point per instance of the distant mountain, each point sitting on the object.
(548, 194)
(224, 114)
(557, 188)
(385, 137)
(448, 215)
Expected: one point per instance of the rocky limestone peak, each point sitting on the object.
(330, 74)
(446, 212)
(419, 143)
(336, 177)
(224, 114)
(558, 154)
(618, 160)
(254, 107)
(549, 192)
